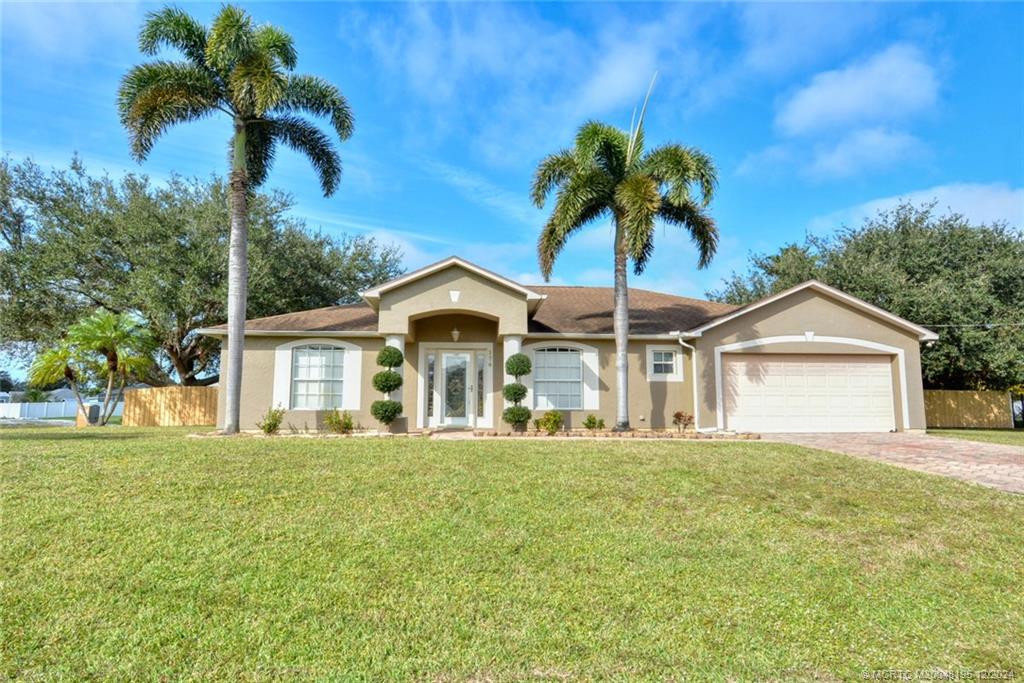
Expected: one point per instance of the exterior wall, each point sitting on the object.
(810, 311)
(258, 383)
(430, 295)
(651, 404)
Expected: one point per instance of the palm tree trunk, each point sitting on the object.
(238, 274)
(620, 325)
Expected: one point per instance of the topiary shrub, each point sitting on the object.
(551, 422)
(389, 357)
(339, 423)
(517, 365)
(517, 416)
(271, 421)
(514, 392)
(387, 381)
(386, 411)
(593, 423)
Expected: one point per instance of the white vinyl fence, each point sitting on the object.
(66, 409)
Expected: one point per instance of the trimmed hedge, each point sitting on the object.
(514, 392)
(387, 381)
(386, 411)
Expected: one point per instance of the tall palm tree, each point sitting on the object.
(243, 71)
(607, 174)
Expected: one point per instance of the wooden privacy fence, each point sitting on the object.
(170, 406)
(971, 409)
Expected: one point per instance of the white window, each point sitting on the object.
(558, 379)
(317, 374)
(664, 364)
(318, 377)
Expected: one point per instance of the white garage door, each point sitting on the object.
(808, 393)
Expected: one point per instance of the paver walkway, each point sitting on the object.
(989, 464)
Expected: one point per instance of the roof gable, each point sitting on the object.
(922, 333)
(372, 295)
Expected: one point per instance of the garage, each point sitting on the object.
(765, 392)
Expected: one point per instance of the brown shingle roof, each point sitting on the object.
(345, 318)
(567, 310)
(588, 310)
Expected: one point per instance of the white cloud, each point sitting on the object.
(781, 37)
(512, 85)
(892, 84)
(767, 161)
(70, 30)
(979, 202)
(870, 148)
(476, 188)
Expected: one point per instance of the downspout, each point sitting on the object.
(693, 378)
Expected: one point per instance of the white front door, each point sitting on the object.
(456, 388)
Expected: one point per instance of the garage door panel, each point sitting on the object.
(809, 393)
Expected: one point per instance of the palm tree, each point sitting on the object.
(607, 174)
(243, 71)
(103, 345)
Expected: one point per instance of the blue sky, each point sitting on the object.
(816, 114)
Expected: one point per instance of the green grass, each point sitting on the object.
(138, 554)
(1009, 437)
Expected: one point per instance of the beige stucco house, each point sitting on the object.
(811, 358)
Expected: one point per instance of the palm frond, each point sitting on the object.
(638, 201)
(586, 196)
(680, 168)
(694, 220)
(603, 145)
(552, 172)
(230, 40)
(260, 150)
(172, 27)
(257, 83)
(276, 42)
(304, 137)
(51, 365)
(319, 98)
(154, 96)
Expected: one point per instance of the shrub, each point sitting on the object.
(386, 411)
(514, 392)
(389, 357)
(593, 422)
(387, 381)
(551, 422)
(518, 364)
(339, 423)
(517, 416)
(271, 421)
(682, 420)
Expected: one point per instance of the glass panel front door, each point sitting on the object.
(456, 389)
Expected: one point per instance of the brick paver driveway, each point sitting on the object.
(990, 464)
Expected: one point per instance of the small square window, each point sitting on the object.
(664, 362)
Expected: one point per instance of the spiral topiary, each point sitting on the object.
(517, 365)
(387, 381)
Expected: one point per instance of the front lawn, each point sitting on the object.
(138, 554)
(1009, 437)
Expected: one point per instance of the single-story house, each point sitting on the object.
(811, 358)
